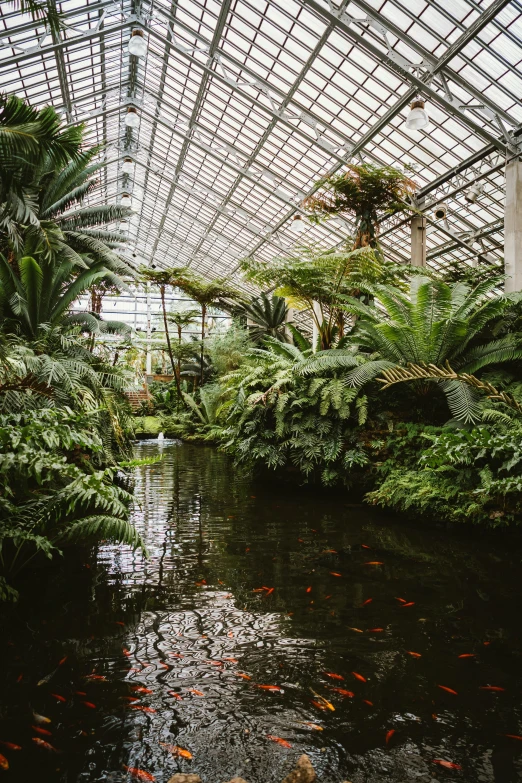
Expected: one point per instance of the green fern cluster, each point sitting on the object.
(51, 491)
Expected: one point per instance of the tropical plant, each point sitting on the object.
(54, 489)
(319, 281)
(207, 293)
(181, 320)
(268, 315)
(170, 277)
(366, 193)
(432, 324)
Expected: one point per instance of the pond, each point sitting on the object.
(268, 621)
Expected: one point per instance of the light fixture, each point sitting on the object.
(132, 119)
(125, 200)
(418, 118)
(128, 166)
(297, 226)
(440, 211)
(137, 44)
(472, 194)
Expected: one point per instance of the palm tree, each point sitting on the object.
(268, 314)
(174, 277)
(181, 319)
(433, 324)
(207, 294)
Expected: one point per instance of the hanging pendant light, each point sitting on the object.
(128, 166)
(297, 226)
(137, 44)
(132, 119)
(125, 200)
(418, 118)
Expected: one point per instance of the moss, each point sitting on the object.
(147, 425)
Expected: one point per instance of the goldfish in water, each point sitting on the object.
(141, 689)
(448, 690)
(4, 764)
(514, 736)
(374, 562)
(42, 731)
(368, 601)
(369, 703)
(89, 704)
(375, 630)
(467, 655)
(269, 687)
(139, 774)
(334, 573)
(177, 751)
(343, 692)
(196, 692)
(389, 735)
(447, 764)
(359, 677)
(141, 708)
(413, 654)
(308, 589)
(60, 698)
(279, 741)
(10, 745)
(316, 727)
(175, 695)
(491, 688)
(334, 676)
(45, 745)
(243, 676)
(40, 718)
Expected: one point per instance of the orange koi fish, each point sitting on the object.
(308, 589)
(271, 590)
(126, 652)
(139, 774)
(343, 692)
(359, 677)
(231, 660)
(322, 703)
(196, 692)
(177, 751)
(401, 600)
(334, 573)
(244, 676)
(10, 745)
(119, 622)
(316, 727)
(80, 693)
(448, 690)
(491, 688)
(467, 655)
(45, 745)
(334, 676)
(279, 741)
(357, 630)
(99, 677)
(330, 552)
(141, 689)
(410, 603)
(141, 708)
(447, 764)
(42, 731)
(370, 703)
(365, 546)
(375, 630)
(61, 663)
(89, 704)
(60, 698)
(368, 601)
(175, 695)
(413, 654)
(374, 562)
(130, 698)
(389, 735)
(513, 736)
(4, 764)
(269, 687)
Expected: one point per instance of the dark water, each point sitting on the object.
(186, 623)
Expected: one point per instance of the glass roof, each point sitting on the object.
(244, 104)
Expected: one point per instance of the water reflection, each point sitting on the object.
(249, 586)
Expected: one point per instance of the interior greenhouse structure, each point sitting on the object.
(260, 391)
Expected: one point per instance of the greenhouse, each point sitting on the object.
(260, 391)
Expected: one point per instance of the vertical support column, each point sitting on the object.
(513, 226)
(148, 354)
(418, 240)
(315, 331)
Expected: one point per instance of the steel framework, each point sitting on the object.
(244, 105)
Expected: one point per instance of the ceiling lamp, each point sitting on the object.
(418, 118)
(128, 166)
(472, 194)
(297, 226)
(125, 200)
(132, 119)
(137, 44)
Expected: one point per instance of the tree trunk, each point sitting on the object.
(203, 315)
(167, 336)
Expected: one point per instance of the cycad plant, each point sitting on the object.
(434, 323)
(268, 314)
(365, 193)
